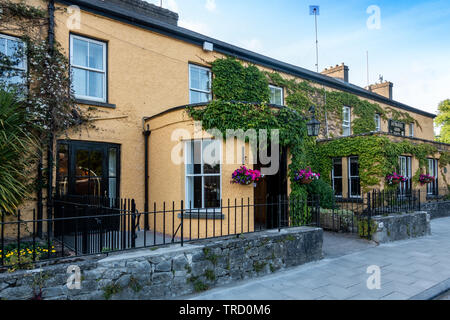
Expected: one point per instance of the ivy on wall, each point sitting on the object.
(378, 156)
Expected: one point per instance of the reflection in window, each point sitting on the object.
(199, 84)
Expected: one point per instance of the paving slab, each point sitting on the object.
(411, 269)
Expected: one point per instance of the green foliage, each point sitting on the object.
(378, 156)
(259, 266)
(235, 82)
(210, 275)
(324, 190)
(443, 120)
(16, 152)
(110, 290)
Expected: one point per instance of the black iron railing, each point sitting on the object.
(89, 225)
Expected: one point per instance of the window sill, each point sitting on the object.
(193, 214)
(95, 103)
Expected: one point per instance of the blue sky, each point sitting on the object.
(411, 48)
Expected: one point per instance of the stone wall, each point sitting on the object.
(401, 226)
(157, 273)
(437, 209)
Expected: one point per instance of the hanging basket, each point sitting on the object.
(306, 181)
(396, 181)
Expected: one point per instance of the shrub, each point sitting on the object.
(325, 192)
(16, 152)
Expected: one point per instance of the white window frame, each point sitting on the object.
(350, 178)
(405, 170)
(24, 69)
(411, 129)
(432, 188)
(209, 92)
(282, 93)
(346, 123)
(104, 71)
(333, 176)
(188, 202)
(377, 122)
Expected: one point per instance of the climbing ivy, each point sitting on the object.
(241, 97)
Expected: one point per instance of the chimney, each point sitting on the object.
(148, 9)
(339, 71)
(383, 89)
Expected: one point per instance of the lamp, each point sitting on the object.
(313, 125)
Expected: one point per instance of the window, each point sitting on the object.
(13, 62)
(88, 169)
(377, 122)
(353, 178)
(276, 95)
(411, 129)
(405, 170)
(432, 188)
(346, 120)
(203, 174)
(199, 84)
(88, 65)
(336, 175)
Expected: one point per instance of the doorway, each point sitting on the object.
(267, 194)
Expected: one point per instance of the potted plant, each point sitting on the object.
(395, 178)
(425, 179)
(306, 176)
(246, 176)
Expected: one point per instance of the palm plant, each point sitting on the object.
(17, 151)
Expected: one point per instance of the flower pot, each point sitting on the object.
(396, 181)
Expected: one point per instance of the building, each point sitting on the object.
(140, 70)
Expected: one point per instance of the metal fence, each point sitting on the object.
(89, 225)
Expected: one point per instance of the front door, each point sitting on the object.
(87, 173)
(267, 195)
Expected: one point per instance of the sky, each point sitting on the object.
(408, 42)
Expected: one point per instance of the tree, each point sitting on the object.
(443, 120)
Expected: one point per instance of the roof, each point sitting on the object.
(113, 11)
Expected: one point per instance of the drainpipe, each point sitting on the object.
(51, 43)
(146, 133)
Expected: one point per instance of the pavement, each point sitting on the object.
(410, 269)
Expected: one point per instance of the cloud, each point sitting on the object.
(210, 5)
